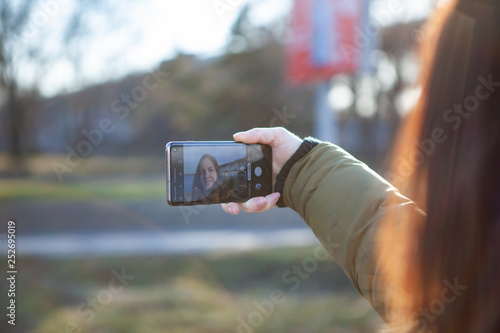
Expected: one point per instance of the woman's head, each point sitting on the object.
(450, 146)
(207, 173)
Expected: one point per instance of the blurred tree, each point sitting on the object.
(27, 52)
(13, 18)
(210, 99)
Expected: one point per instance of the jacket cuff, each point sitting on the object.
(307, 145)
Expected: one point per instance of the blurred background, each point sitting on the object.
(90, 93)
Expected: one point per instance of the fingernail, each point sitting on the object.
(232, 210)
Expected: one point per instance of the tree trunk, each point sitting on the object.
(15, 121)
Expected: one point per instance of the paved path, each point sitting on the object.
(149, 243)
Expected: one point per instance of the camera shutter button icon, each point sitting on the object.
(258, 171)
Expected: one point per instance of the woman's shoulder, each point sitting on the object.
(197, 194)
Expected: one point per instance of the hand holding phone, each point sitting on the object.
(208, 172)
(284, 144)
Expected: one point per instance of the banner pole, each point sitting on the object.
(325, 126)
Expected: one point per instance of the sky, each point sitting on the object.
(151, 31)
(148, 32)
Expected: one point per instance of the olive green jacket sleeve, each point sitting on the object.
(343, 201)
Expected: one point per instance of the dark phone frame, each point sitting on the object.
(265, 180)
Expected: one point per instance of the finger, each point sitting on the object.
(260, 204)
(256, 135)
(254, 205)
(231, 208)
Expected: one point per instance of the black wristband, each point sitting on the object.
(306, 146)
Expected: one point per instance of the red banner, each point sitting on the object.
(323, 39)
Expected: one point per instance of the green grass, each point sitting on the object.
(189, 293)
(122, 188)
(95, 177)
(45, 164)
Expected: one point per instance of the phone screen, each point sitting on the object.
(216, 172)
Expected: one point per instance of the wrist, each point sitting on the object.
(303, 148)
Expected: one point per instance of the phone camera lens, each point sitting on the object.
(258, 186)
(258, 171)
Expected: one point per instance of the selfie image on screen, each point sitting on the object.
(214, 174)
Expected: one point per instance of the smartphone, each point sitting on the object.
(210, 172)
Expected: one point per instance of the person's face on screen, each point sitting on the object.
(208, 174)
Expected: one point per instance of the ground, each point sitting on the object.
(231, 291)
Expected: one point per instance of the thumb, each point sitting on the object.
(256, 135)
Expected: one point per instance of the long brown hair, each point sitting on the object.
(448, 161)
